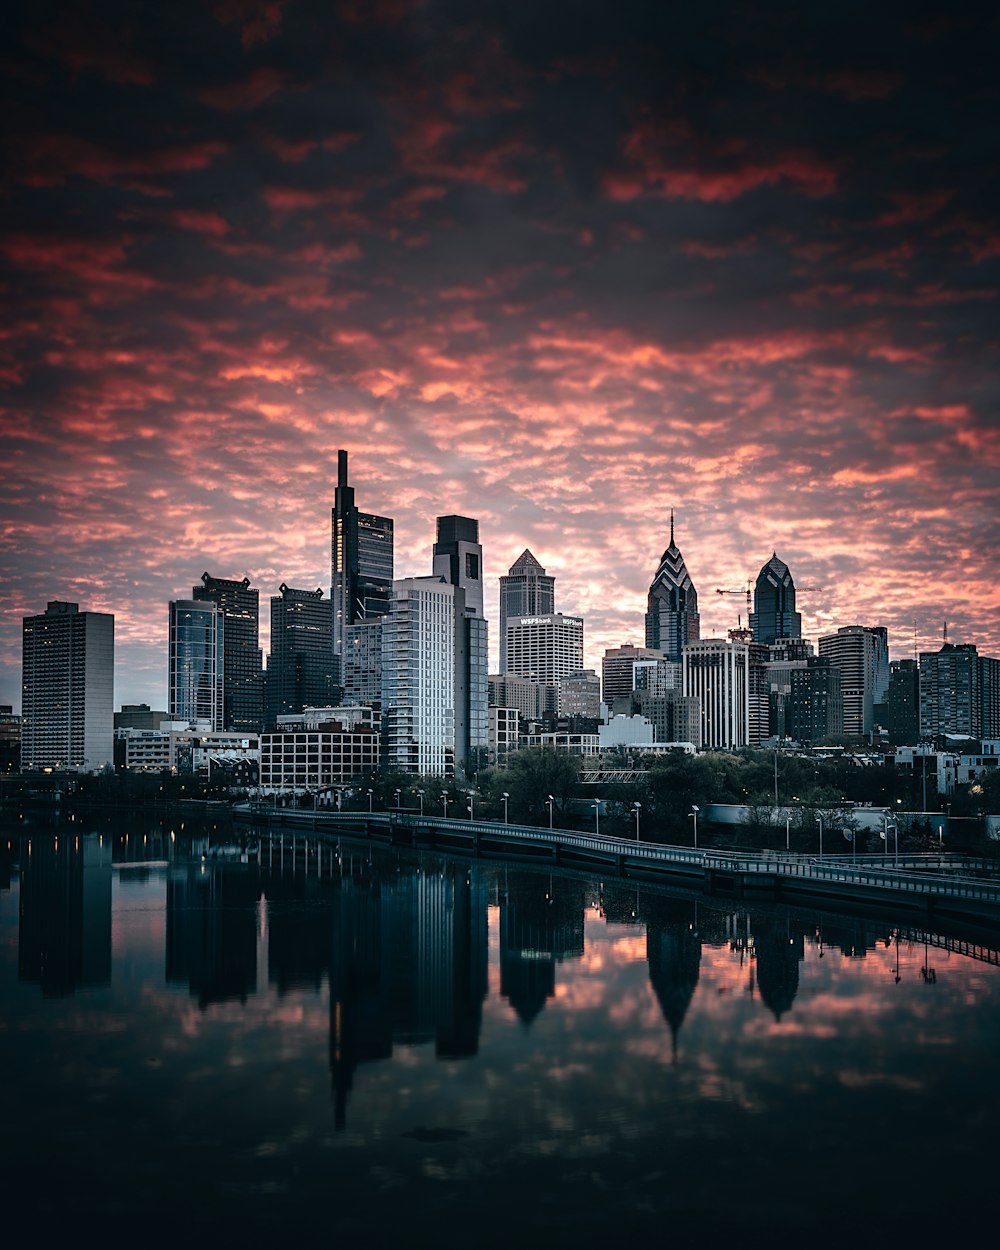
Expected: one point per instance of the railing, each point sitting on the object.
(770, 863)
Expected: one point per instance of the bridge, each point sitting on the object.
(917, 890)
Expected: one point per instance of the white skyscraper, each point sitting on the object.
(67, 705)
(716, 673)
(544, 648)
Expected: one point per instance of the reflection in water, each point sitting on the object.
(591, 1052)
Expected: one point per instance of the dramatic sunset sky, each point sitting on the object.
(558, 266)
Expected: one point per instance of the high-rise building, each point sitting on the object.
(580, 695)
(903, 703)
(242, 668)
(672, 618)
(989, 697)
(815, 708)
(458, 558)
(418, 676)
(716, 672)
(949, 691)
(195, 662)
(544, 648)
(67, 689)
(618, 669)
(360, 565)
(300, 665)
(774, 614)
(534, 700)
(526, 590)
(853, 650)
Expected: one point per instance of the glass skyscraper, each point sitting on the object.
(672, 618)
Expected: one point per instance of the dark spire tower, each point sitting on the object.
(774, 614)
(672, 617)
(360, 564)
(526, 590)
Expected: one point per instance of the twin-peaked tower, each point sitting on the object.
(672, 617)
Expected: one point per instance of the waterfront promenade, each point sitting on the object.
(918, 888)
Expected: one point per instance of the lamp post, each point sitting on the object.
(369, 802)
(505, 796)
(548, 803)
(788, 833)
(398, 792)
(444, 800)
(420, 796)
(635, 808)
(695, 809)
(469, 808)
(597, 817)
(819, 821)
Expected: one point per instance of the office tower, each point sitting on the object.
(525, 591)
(949, 691)
(989, 697)
(853, 650)
(903, 703)
(618, 669)
(195, 663)
(716, 673)
(10, 739)
(418, 676)
(675, 716)
(672, 614)
(534, 700)
(580, 694)
(815, 708)
(300, 665)
(360, 566)
(67, 689)
(544, 648)
(362, 663)
(242, 667)
(458, 558)
(774, 614)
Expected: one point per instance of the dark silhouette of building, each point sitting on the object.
(526, 590)
(949, 691)
(779, 952)
(300, 664)
(211, 938)
(673, 952)
(242, 669)
(815, 708)
(672, 618)
(541, 924)
(903, 705)
(361, 555)
(774, 614)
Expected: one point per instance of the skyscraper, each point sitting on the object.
(300, 665)
(526, 590)
(717, 673)
(458, 558)
(544, 648)
(949, 691)
(672, 618)
(618, 669)
(242, 669)
(854, 650)
(67, 689)
(774, 614)
(360, 565)
(195, 662)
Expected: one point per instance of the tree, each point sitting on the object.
(535, 773)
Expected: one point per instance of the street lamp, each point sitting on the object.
(469, 808)
(819, 821)
(635, 808)
(788, 833)
(398, 792)
(548, 803)
(444, 800)
(369, 802)
(597, 817)
(695, 809)
(505, 796)
(420, 796)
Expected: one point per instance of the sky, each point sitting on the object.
(559, 267)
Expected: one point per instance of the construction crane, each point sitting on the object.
(748, 592)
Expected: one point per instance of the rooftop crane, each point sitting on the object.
(748, 591)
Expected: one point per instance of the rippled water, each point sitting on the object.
(421, 1051)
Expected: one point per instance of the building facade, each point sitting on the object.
(717, 674)
(67, 689)
(458, 558)
(313, 760)
(526, 590)
(774, 614)
(196, 662)
(903, 703)
(361, 567)
(618, 669)
(242, 665)
(853, 650)
(672, 618)
(544, 648)
(301, 663)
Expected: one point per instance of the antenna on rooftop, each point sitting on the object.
(946, 633)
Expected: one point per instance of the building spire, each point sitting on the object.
(671, 527)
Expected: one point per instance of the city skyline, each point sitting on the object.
(562, 280)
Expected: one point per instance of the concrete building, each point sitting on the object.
(182, 748)
(716, 673)
(675, 716)
(544, 648)
(815, 704)
(67, 689)
(903, 703)
(195, 662)
(10, 739)
(362, 662)
(672, 618)
(618, 669)
(579, 694)
(503, 739)
(313, 760)
(854, 649)
(242, 663)
(139, 716)
(949, 691)
(534, 700)
(526, 590)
